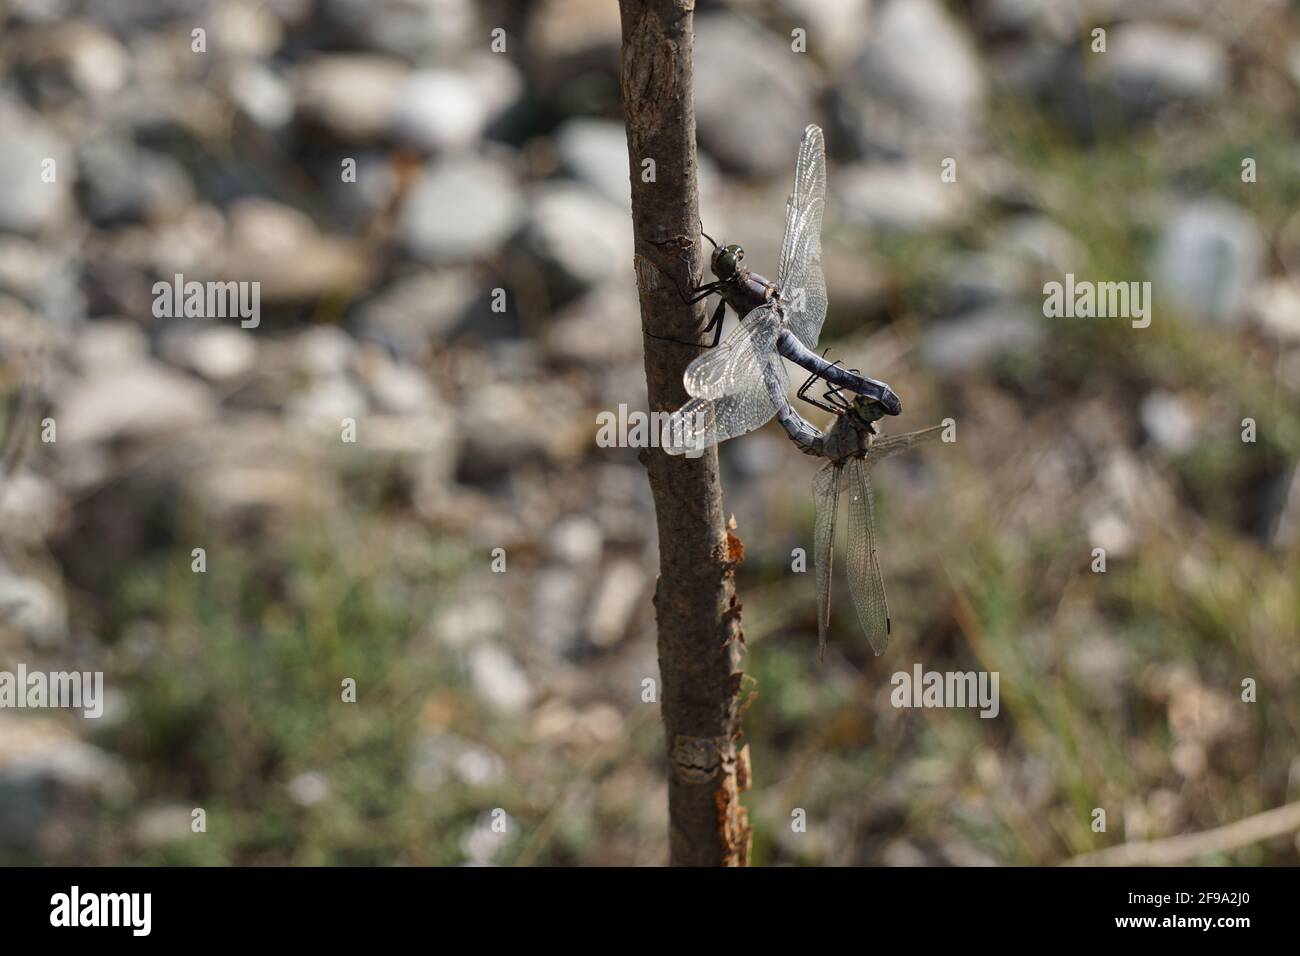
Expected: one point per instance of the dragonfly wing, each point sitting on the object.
(735, 387)
(865, 581)
(800, 276)
(892, 444)
(736, 364)
(826, 493)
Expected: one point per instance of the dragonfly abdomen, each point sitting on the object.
(806, 437)
(788, 344)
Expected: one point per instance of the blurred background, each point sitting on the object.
(522, 692)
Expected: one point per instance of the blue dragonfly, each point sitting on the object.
(732, 385)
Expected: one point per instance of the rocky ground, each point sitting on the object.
(479, 171)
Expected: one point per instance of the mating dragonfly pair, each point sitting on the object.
(741, 384)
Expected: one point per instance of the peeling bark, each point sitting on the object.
(695, 601)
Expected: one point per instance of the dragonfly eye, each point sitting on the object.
(721, 263)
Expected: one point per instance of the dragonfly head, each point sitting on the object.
(867, 411)
(726, 259)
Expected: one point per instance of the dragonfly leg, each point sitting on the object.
(834, 394)
(813, 401)
(715, 323)
(831, 395)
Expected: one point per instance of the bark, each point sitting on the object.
(695, 600)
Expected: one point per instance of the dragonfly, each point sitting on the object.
(732, 387)
(852, 447)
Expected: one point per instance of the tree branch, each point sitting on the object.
(695, 601)
(1188, 846)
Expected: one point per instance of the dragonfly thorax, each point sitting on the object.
(848, 437)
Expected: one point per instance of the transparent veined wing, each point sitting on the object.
(892, 444)
(800, 279)
(826, 494)
(735, 387)
(737, 363)
(865, 581)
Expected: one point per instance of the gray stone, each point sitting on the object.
(1167, 422)
(1275, 306)
(48, 777)
(92, 60)
(1209, 256)
(898, 196)
(107, 345)
(917, 82)
(518, 422)
(471, 618)
(563, 35)
(25, 266)
(308, 789)
(325, 351)
(132, 400)
(372, 194)
(258, 466)
(835, 29)
(397, 387)
(323, 405)
(975, 340)
(575, 540)
(460, 209)
(31, 508)
(594, 151)
(1103, 664)
(1284, 522)
(27, 204)
(618, 596)
(1039, 241)
(189, 245)
(163, 825)
(498, 680)
(39, 11)
(262, 95)
(442, 110)
(555, 616)
(1148, 66)
(219, 354)
(482, 842)
(1050, 19)
(407, 28)
(753, 96)
(583, 236)
(280, 247)
(479, 767)
(122, 183)
(436, 758)
(244, 29)
(31, 607)
(973, 280)
(420, 308)
(45, 280)
(354, 96)
(599, 328)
